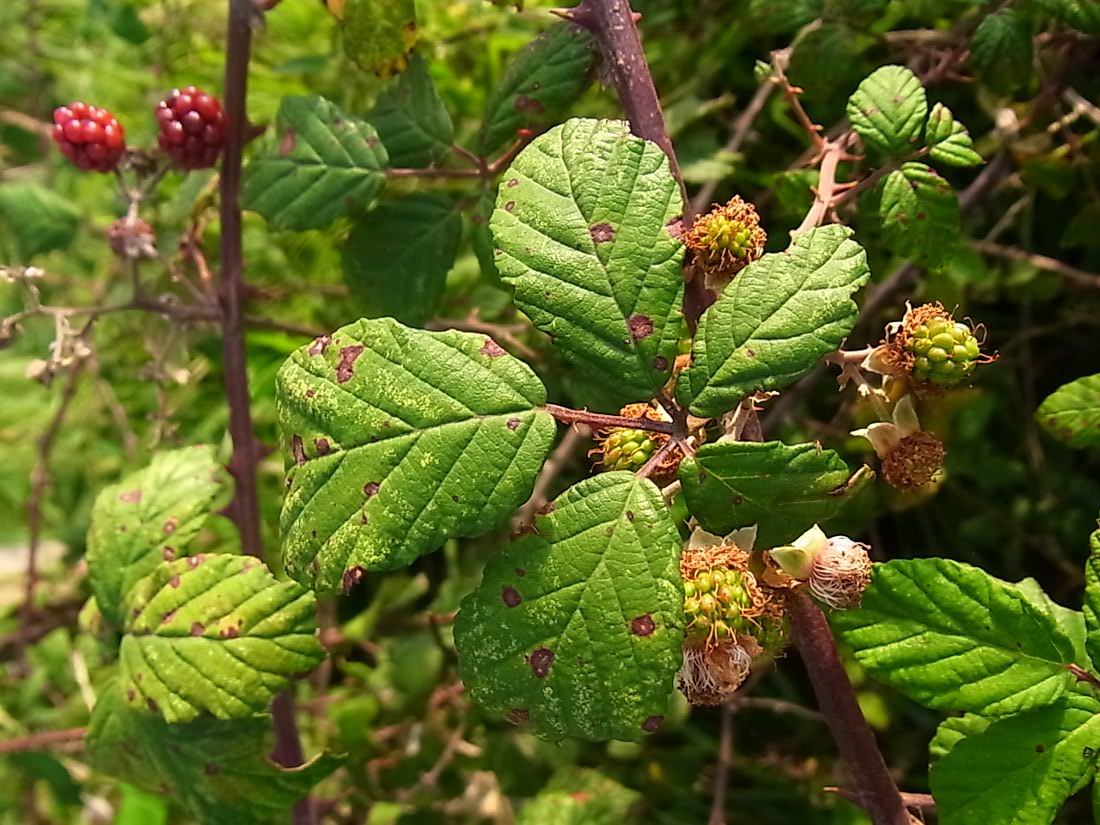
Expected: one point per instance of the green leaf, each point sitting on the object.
(1072, 412)
(397, 257)
(321, 164)
(399, 439)
(148, 517)
(947, 140)
(217, 770)
(784, 489)
(581, 797)
(1072, 622)
(411, 120)
(775, 320)
(577, 626)
(540, 84)
(920, 215)
(379, 34)
(888, 109)
(953, 730)
(582, 230)
(1021, 769)
(140, 808)
(1083, 15)
(1091, 607)
(951, 636)
(40, 220)
(1001, 49)
(214, 634)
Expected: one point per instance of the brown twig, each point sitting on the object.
(922, 802)
(832, 153)
(877, 792)
(563, 453)
(598, 420)
(722, 770)
(246, 507)
(1043, 262)
(42, 740)
(504, 334)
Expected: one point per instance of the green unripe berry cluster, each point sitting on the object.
(944, 351)
(715, 602)
(730, 235)
(626, 449)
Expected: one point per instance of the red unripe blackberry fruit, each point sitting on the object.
(88, 136)
(192, 128)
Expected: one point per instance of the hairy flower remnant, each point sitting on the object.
(711, 675)
(840, 573)
(726, 240)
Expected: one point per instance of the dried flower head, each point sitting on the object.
(624, 448)
(711, 675)
(929, 348)
(911, 457)
(726, 240)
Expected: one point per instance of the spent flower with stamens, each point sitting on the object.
(837, 569)
(726, 240)
(929, 348)
(911, 457)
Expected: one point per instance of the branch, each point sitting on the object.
(721, 773)
(1043, 262)
(877, 792)
(39, 741)
(825, 192)
(246, 506)
(553, 467)
(599, 420)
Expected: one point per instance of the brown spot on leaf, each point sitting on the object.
(660, 363)
(454, 498)
(737, 501)
(492, 349)
(513, 182)
(322, 446)
(630, 515)
(169, 553)
(167, 617)
(580, 796)
(513, 423)
(346, 368)
(651, 724)
(196, 560)
(171, 524)
(1039, 748)
(528, 104)
(521, 572)
(540, 660)
(130, 695)
(298, 448)
(641, 326)
(210, 769)
(229, 632)
(174, 581)
(371, 488)
(153, 706)
(643, 625)
(197, 629)
(750, 353)
(287, 142)
(518, 716)
(352, 576)
(130, 497)
(508, 207)
(319, 345)
(602, 232)
(510, 596)
(310, 393)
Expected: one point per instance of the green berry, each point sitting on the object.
(626, 449)
(716, 602)
(944, 351)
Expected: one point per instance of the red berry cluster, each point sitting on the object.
(192, 127)
(88, 136)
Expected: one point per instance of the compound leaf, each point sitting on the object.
(320, 165)
(411, 120)
(1072, 412)
(582, 227)
(888, 109)
(1020, 769)
(217, 770)
(920, 215)
(951, 636)
(148, 517)
(397, 257)
(540, 84)
(775, 320)
(214, 634)
(784, 489)
(577, 626)
(398, 439)
(947, 140)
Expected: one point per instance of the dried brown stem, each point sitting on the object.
(722, 770)
(1047, 264)
(42, 740)
(878, 795)
(599, 420)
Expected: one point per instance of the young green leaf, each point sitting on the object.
(397, 257)
(218, 771)
(1001, 49)
(379, 34)
(1020, 769)
(775, 320)
(398, 439)
(951, 636)
(411, 120)
(1072, 412)
(947, 140)
(920, 215)
(1072, 622)
(577, 626)
(39, 219)
(1091, 607)
(953, 730)
(888, 109)
(214, 634)
(540, 84)
(321, 164)
(148, 517)
(784, 489)
(583, 227)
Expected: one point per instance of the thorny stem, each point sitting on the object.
(613, 25)
(246, 507)
(596, 421)
(878, 795)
